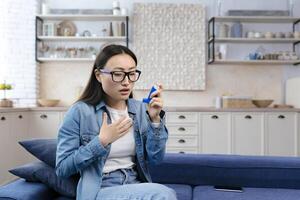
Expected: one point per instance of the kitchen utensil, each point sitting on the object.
(237, 30)
(48, 102)
(66, 28)
(262, 103)
(269, 35)
(282, 106)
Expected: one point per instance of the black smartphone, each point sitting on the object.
(228, 188)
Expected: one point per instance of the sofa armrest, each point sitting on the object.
(21, 189)
(231, 170)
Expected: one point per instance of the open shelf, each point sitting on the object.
(256, 40)
(83, 17)
(261, 62)
(257, 19)
(74, 38)
(65, 59)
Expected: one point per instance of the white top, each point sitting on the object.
(122, 150)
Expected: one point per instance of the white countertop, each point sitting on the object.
(167, 108)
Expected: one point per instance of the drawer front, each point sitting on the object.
(182, 117)
(182, 141)
(182, 129)
(182, 150)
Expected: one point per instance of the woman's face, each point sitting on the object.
(117, 91)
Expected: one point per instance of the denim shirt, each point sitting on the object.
(80, 151)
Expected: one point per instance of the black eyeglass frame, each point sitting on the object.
(125, 74)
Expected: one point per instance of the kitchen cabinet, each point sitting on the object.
(5, 146)
(183, 132)
(248, 133)
(215, 133)
(77, 37)
(281, 134)
(234, 132)
(213, 39)
(14, 128)
(44, 124)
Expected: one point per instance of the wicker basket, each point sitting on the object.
(6, 103)
(237, 102)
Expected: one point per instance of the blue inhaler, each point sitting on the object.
(148, 99)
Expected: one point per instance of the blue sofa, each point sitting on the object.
(193, 177)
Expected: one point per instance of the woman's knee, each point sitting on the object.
(160, 192)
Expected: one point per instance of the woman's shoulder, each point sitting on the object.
(80, 107)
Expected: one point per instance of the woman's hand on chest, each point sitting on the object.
(111, 132)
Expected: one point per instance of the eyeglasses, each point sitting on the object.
(119, 76)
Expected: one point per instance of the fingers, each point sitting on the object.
(156, 102)
(104, 118)
(124, 129)
(158, 92)
(122, 125)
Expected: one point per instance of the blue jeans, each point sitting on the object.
(123, 184)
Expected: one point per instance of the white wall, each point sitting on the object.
(256, 81)
(17, 50)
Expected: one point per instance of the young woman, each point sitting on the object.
(110, 138)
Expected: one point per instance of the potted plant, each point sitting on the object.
(5, 102)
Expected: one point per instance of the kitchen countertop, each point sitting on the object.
(167, 108)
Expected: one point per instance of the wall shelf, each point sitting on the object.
(53, 18)
(212, 39)
(257, 19)
(83, 17)
(66, 59)
(256, 40)
(74, 38)
(255, 62)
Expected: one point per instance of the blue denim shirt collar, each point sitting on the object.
(130, 104)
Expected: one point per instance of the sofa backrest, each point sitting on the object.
(233, 170)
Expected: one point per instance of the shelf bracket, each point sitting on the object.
(294, 45)
(295, 24)
(211, 40)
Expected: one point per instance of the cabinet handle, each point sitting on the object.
(181, 141)
(181, 117)
(3, 118)
(281, 116)
(43, 116)
(181, 129)
(20, 116)
(214, 117)
(248, 117)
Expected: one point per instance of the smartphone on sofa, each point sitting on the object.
(228, 188)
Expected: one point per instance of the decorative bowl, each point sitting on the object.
(48, 102)
(262, 103)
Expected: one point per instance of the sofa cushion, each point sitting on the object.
(183, 192)
(21, 189)
(209, 193)
(27, 171)
(247, 171)
(39, 171)
(43, 149)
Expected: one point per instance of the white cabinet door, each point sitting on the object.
(281, 134)
(19, 131)
(215, 133)
(6, 153)
(248, 133)
(44, 124)
(183, 132)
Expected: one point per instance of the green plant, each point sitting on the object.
(4, 87)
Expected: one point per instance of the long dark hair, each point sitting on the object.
(93, 92)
